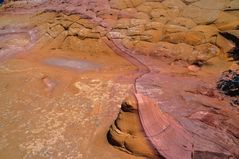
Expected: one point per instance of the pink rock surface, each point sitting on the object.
(166, 134)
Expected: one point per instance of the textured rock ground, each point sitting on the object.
(66, 66)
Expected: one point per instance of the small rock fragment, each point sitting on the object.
(193, 68)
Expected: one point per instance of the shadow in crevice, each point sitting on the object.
(235, 52)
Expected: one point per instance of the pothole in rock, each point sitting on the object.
(12, 42)
(82, 65)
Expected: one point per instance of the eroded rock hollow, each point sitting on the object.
(127, 133)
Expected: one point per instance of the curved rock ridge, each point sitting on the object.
(166, 134)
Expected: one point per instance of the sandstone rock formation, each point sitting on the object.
(127, 133)
(82, 57)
